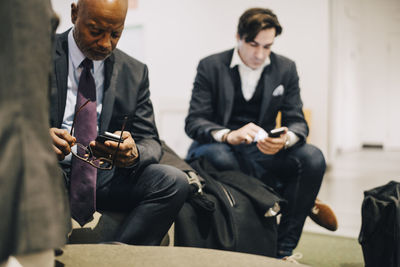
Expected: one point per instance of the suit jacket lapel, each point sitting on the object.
(61, 71)
(229, 90)
(270, 80)
(110, 78)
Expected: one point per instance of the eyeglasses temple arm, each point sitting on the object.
(120, 138)
(76, 115)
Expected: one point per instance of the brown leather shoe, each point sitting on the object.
(323, 215)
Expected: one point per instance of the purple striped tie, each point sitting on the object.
(83, 175)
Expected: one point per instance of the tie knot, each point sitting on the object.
(87, 64)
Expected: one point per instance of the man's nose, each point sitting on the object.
(259, 53)
(105, 42)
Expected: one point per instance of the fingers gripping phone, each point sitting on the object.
(276, 132)
(107, 136)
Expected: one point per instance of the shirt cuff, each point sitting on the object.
(293, 138)
(218, 134)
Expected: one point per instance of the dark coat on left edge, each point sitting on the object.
(33, 200)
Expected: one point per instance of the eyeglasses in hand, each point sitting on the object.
(86, 154)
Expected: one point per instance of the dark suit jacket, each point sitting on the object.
(33, 200)
(126, 92)
(213, 95)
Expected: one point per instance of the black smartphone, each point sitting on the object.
(107, 137)
(276, 132)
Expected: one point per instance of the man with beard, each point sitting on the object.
(98, 90)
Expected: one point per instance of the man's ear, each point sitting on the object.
(74, 12)
(239, 41)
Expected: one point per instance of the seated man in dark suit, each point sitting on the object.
(98, 88)
(236, 97)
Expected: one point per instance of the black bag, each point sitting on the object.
(229, 215)
(380, 229)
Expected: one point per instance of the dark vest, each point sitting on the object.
(244, 111)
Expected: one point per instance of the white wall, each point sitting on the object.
(345, 80)
(176, 34)
(380, 80)
(365, 74)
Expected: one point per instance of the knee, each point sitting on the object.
(166, 182)
(177, 182)
(219, 155)
(224, 161)
(313, 159)
(181, 184)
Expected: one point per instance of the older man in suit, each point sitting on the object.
(236, 97)
(98, 88)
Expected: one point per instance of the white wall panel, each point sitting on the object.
(366, 68)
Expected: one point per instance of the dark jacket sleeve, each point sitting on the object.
(132, 99)
(202, 117)
(144, 129)
(292, 105)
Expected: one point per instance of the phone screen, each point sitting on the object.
(276, 132)
(107, 137)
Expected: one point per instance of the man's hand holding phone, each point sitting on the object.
(275, 133)
(274, 142)
(106, 146)
(107, 137)
(243, 135)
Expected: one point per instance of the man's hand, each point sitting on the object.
(62, 142)
(245, 134)
(272, 146)
(127, 151)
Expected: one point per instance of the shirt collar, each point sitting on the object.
(76, 55)
(237, 61)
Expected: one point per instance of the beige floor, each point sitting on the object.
(349, 175)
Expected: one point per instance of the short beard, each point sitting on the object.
(84, 51)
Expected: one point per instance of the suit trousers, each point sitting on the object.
(295, 173)
(150, 198)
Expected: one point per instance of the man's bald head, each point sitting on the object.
(98, 26)
(116, 6)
